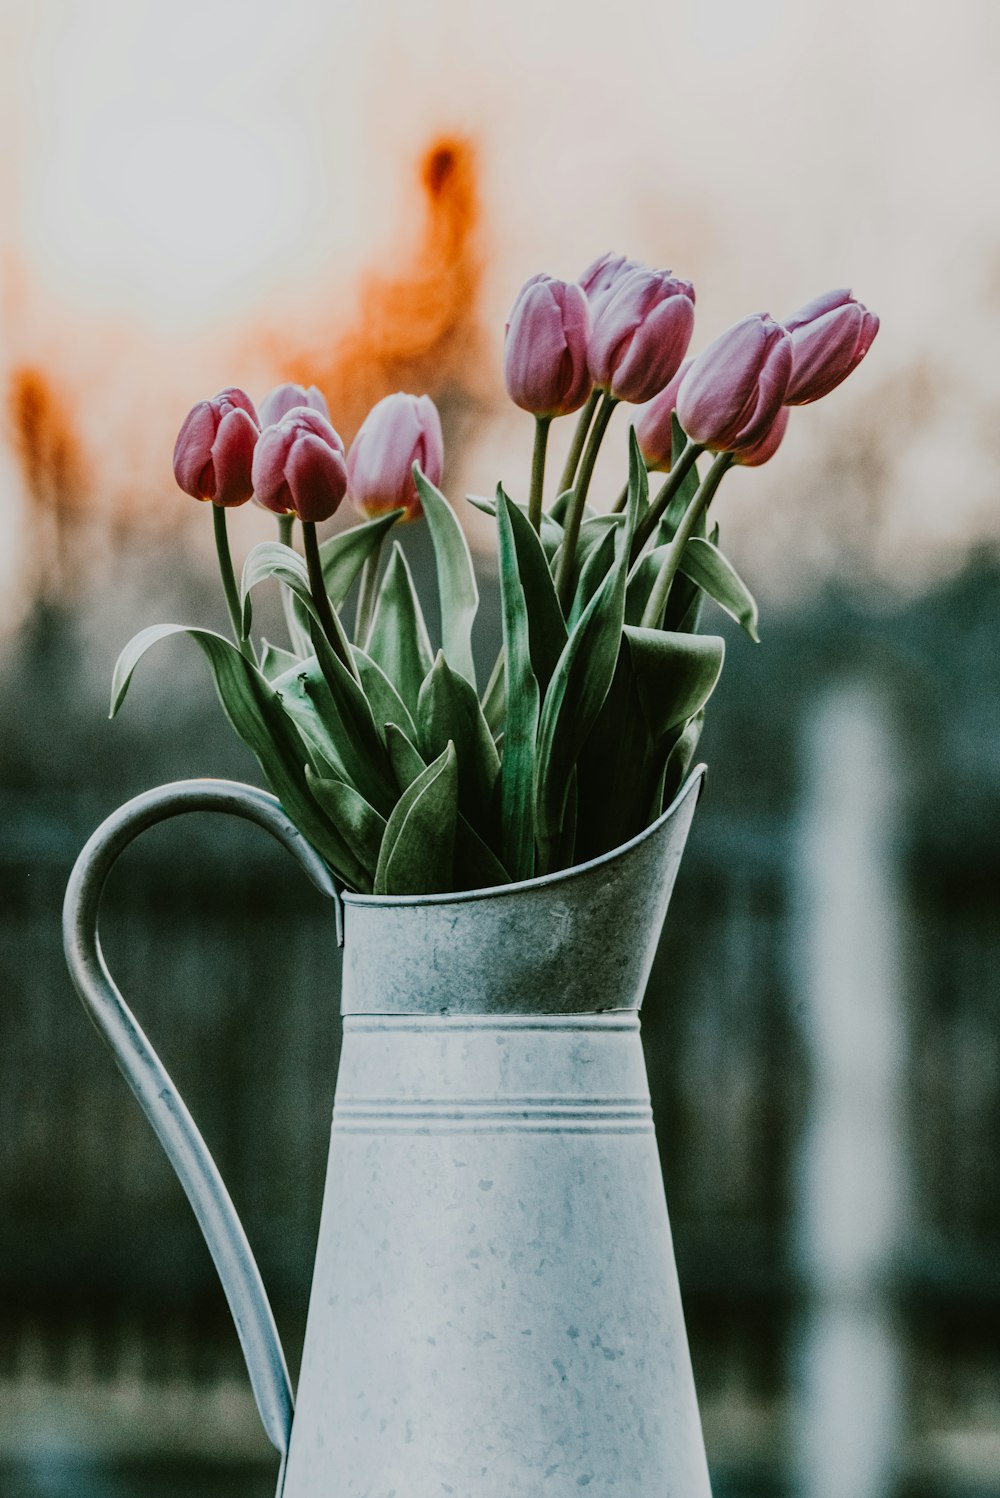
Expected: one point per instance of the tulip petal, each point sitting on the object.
(232, 457)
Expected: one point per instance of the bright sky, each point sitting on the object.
(176, 173)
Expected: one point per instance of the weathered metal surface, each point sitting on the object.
(495, 1305)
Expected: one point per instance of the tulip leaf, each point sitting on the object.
(398, 641)
(675, 674)
(688, 489)
(678, 763)
(456, 579)
(517, 771)
(332, 712)
(638, 478)
(595, 568)
(417, 856)
(385, 702)
(256, 713)
(551, 533)
(449, 711)
(344, 554)
(577, 691)
(274, 559)
(359, 824)
(560, 505)
(406, 760)
(495, 697)
(705, 565)
(617, 769)
(547, 631)
(274, 661)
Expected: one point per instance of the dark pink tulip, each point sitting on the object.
(653, 426)
(214, 450)
(545, 348)
(641, 334)
(765, 447)
(397, 432)
(299, 467)
(284, 398)
(830, 337)
(603, 276)
(734, 390)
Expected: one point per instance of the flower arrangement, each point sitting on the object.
(403, 776)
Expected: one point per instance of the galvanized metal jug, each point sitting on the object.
(495, 1308)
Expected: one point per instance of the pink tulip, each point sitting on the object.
(641, 334)
(830, 337)
(545, 349)
(215, 447)
(603, 276)
(734, 390)
(299, 467)
(397, 432)
(654, 427)
(284, 398)
(765, 447)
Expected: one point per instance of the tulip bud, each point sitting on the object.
(654, 428)
(641, 334)
(765, 447)
(545, 348)
(284, 398)
(830, 337)
(397, 432)
(734, 390)
(603, 276)
(214, 450)
(299, 467)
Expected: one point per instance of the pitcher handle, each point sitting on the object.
(145, 1074)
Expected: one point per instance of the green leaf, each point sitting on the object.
(598, 563)
(559, 506)
(398, 641)
(273, 559)
(385, 702)
(705, 565)
(638, 477)
(449, 711)
(344, 554)
(333, 714)
(456, 578)
(547, 631)
(417, 856)
(551, 532)
(476, 865)
(679, 762)
(517, 771)
(618, 769)
(359, 824)
(675, 674)
(274, 661)
(577, 691)
(689, 487)
(255, 712)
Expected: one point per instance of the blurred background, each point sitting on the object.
(198, 195)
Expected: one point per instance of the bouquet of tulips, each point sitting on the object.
(404, 775)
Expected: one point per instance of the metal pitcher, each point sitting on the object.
(495, 1310)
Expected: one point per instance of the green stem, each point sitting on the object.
(579, 438)
(658, 508)
(229, 583)
(654, 611)
(285, 526)
(317, 587)
(574, 514)
(367, 594)
(542, 424)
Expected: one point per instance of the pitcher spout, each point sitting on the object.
(581, 941)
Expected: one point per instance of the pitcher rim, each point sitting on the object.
(540, 881)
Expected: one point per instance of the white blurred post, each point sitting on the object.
(851, 1168)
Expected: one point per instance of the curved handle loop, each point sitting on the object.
(148, 1079)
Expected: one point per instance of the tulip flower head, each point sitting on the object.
(397, 432)
(545, 348)
(736, 387)
(654, 424)
(299, 466)
(603, 276)
(641, 334)
(830, 337)
(213, 454)
(765, 447)
(284, 398)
